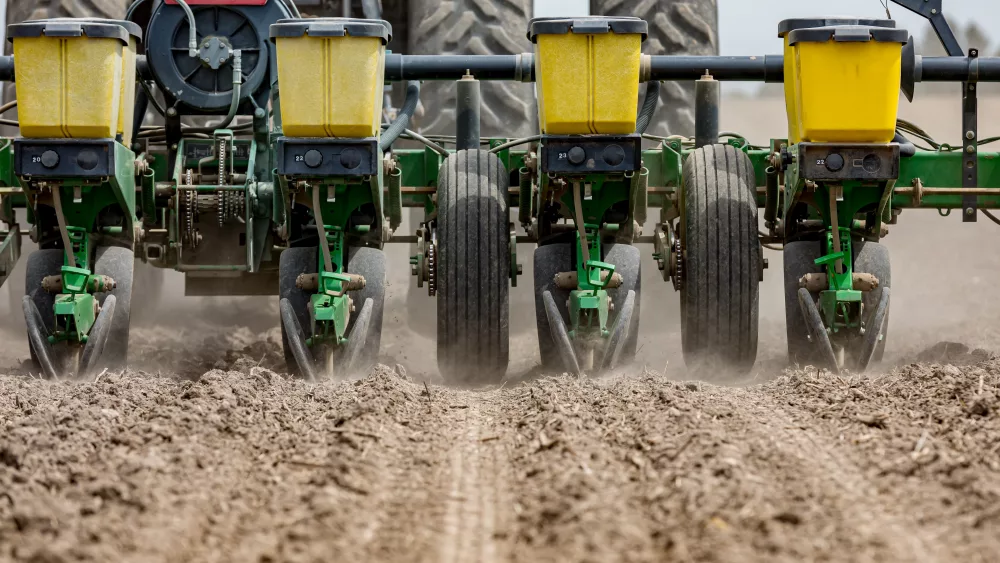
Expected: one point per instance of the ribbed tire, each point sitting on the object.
(474, 27)
(676, 27)
(722, 266)
(473, 268)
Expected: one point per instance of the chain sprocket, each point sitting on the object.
(432, 268)
(677, 253)
(189, 212)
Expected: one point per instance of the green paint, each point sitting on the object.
(331, 306)
(841, 304)
(589, 304)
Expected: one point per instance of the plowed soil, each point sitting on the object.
(244, 464)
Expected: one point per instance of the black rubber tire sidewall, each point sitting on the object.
(720, 295)
(295, 261)
(550, 260)
(370, 263)
(799, 259)
(39, 265)
(628, 263)
(473, 268)
(118, 263)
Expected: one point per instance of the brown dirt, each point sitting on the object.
(244, 464)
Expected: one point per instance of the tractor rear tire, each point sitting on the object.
(474, 27)
(722, 266)
(473, 268)
(676, 27)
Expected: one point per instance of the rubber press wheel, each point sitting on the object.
(550, 260)
(370, 263)
(628, 263)
(473, 268)
(119, 264)
(40, 264)
(873, 258)
(799, 258)
(722, 266)
(111, 261)
(295, 261)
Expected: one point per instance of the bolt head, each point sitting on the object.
(970, 135)
(171, 112)
(969, 211)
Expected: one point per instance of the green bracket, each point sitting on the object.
(590, 303)
(331, 307)
(841, 304)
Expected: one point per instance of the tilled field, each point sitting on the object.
(244, 464)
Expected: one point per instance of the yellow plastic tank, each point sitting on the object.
(330, 76)
(787, 26)
(587, 73)
(848, 80)
(75, 77)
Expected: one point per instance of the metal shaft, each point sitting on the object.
(454, 67)
(468, 106)
(707, 99)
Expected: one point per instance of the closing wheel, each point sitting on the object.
(42, 354)
(558, 335)
(549, 261)
(293, 338)
(370, 263)
(97, 340)
(869, 257)
(628, 263)
(615, 347)
(119, 264)
(294, 306)
(873, 258)
(799, 259)
(719, 298)
(39, 265)
(874, 336)
(824, 355)
(473, 268)
(364, 327)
